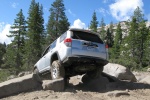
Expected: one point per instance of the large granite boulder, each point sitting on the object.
(17, 85)
(119, 71)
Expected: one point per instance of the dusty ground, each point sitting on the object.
(77, 91)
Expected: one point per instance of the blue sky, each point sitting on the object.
(79, 12)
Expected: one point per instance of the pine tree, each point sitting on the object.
(111, 27)
(117, 43)
(102, 30)
(141, 36)
(109, 38)
(132, 37)
(138, 15)
(13, 58)
(94, 23)
(142, 44)
(35, 34)
(58, 22)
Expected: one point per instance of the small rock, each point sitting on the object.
(23, 73)
(146, 80)
(117, 93)
(55, 85)
(127, 90)
(35, 98)
(136, 73)
(148, 69)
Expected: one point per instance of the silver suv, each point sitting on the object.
(75, 52)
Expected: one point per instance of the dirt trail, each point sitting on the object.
(77, 91)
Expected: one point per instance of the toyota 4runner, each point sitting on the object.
(75, 52)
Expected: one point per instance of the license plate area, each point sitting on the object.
(91, 48)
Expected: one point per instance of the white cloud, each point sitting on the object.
(14, 5)
(78, 24)
(123, 9)
(1, 26)
(70, 12)
(103, 11)
(4, 31)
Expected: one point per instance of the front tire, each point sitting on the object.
(57, 70)
(36, 75)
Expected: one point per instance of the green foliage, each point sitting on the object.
(58, 22)
(135, 46)
(129, 63)
(35, 35)
(2, 52)
(94, 23)
(4, 75)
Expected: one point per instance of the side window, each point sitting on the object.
(53, 45)
(46, 51)
(62, 37)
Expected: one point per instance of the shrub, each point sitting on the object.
(132, 65)
(4, 74)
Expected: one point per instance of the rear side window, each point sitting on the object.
(63, 36)
(53, 45)
(86, 36)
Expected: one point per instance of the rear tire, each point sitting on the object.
(57, 70)
(95, 73)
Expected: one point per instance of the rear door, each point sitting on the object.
(42, 65)
(88, 44)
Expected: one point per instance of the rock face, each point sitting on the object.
(18, 85)
(119, 71)
(55, 85)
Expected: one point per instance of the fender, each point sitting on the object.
(55, 56)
